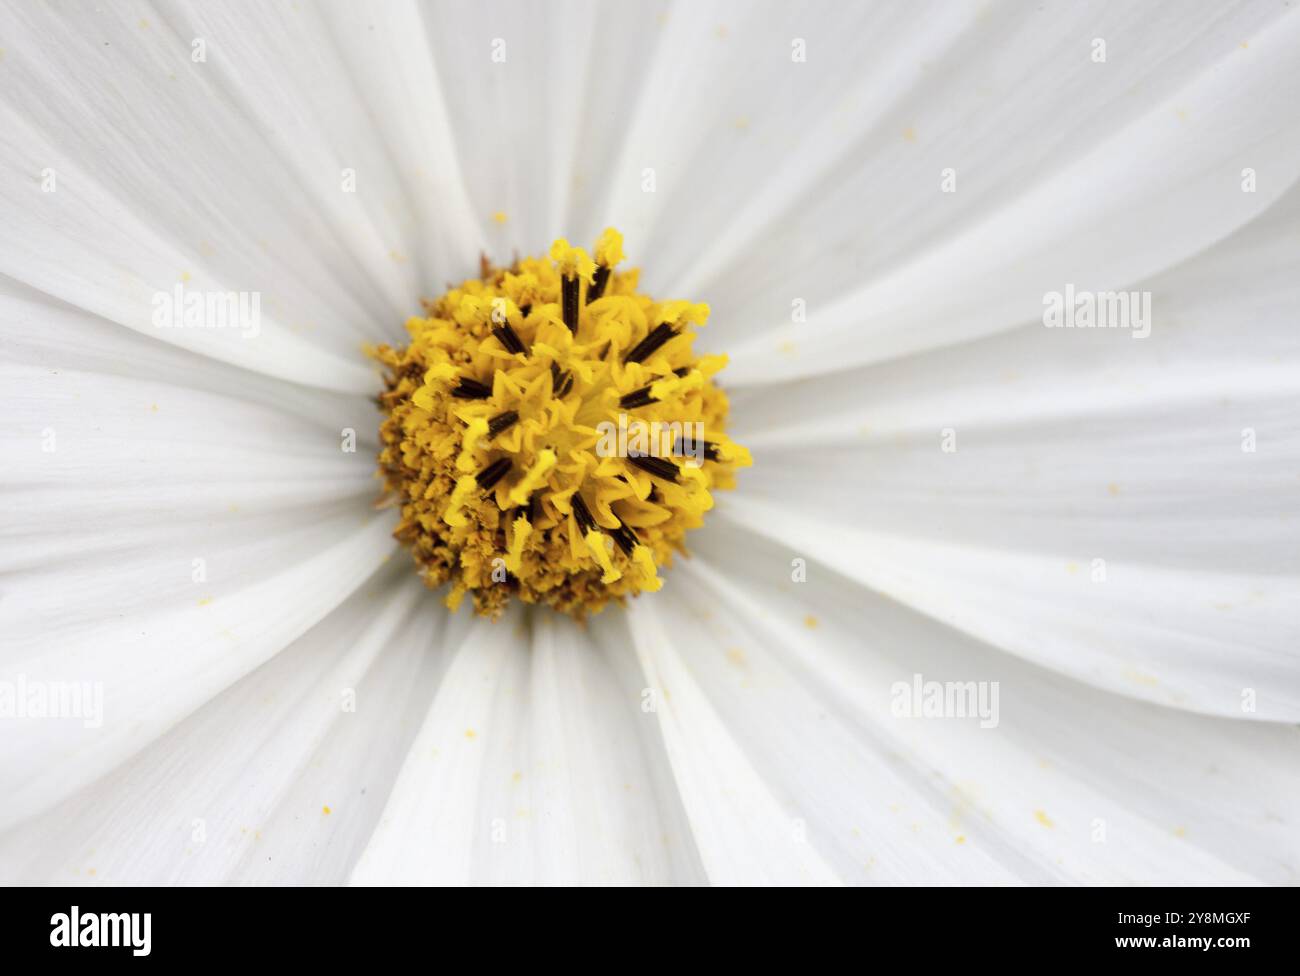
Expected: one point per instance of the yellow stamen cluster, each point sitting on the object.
(551, 434)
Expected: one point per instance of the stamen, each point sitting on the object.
(521, 529)
(561, 381)
(598, 282)
(528, 510)
(569, 302)
(646, 347)
(609, 252)
(690, 446)
(583, 515)
(509, 338)
(494, 472)
(469, 389)
(626, 538)
(637, 398)
(501, 422)
(656, 466)
(573, 264)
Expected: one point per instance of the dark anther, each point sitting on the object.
(598, 283)
(658, 467)
(493, 473)
(653, 340)
(561, 381)
(471, 390)
(637, 398)
(502, 421)
(681, 370)
(525, 309)
(689, 445)
(508, 337)
(569, 302)
(582, 514)
(626, 538)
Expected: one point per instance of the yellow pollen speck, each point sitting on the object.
(550, 433)
(1180, 831)
(1043, 818)
(185, 276)
(205, 601)
(471, 734)
(153, 407)
(961, 839)
(1113, 488)
(736, 656)
(909, 134)
(810, 622)
(1140, 677)
(500, 216)
(325, 811)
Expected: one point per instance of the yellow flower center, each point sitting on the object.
(550, 433)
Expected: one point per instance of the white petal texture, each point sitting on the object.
(1072, 447)
(1103, 529)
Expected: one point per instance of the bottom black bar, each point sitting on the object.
(333, 927)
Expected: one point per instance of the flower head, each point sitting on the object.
(552, 433)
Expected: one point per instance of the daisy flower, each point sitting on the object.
(328, 557)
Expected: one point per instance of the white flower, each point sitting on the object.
(1098, 529)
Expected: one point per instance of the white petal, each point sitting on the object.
(227, 174)
(280, 778)
(1068, 171)
(519, 80)
(531, 767)
(1064, 784)
(1072, 447)
(1146, 632)
(744, 833)
(158, 660)
(167, 534)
